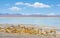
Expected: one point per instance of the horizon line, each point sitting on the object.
(29, 16)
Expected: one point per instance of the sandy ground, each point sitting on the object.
(5, 35)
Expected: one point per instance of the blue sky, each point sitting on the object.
(26, 7)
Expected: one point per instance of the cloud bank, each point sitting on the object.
(14, 8)
(35, 5)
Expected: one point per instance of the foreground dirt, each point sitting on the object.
(5, 35)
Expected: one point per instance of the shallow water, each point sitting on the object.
(52, 21)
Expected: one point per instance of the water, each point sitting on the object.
(52, 21)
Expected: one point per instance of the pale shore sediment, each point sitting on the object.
(4, 35)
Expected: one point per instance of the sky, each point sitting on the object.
(27, 7)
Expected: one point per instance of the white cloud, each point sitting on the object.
(40, 5)
(15, 8)
(25, 13)
(35, 5)
(30, 13)
(50, 14)
(22, 3)
(19, 3)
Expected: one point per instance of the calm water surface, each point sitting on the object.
(53, 21)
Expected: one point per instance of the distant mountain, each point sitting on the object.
(33, 15)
